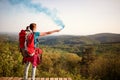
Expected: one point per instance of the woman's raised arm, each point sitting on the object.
(49, 32)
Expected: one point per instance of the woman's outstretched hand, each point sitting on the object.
(57, 30)
(49, 32)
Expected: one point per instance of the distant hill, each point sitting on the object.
(67, 40)
(70, 39)
(8, 37)
(81, 40)
(106, 37)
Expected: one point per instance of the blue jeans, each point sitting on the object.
(27, 65)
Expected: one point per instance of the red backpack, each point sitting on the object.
(22, 38)
(26, 43)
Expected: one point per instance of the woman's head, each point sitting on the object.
(33, 26)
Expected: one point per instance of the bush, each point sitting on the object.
(106, 67)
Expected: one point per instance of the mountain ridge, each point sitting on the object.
(70, 39)
(89, 39)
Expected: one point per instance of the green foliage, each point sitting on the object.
(60, 65)
(87, 58)
(10, 60)
(108, 48)
(106, 67)
(71, 56)
(55, 63)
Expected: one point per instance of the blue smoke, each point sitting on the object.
(39, 8)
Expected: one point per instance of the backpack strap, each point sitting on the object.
(26, 40)
(26, 43)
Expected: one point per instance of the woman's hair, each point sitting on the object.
(27, 28)
(32, 26)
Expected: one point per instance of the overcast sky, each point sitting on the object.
(80, 17)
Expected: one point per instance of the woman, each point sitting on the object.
(36, 36)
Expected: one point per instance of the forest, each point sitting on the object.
(92, 57)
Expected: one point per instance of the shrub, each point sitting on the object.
(106, 67)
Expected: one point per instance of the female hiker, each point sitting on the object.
(32, 59)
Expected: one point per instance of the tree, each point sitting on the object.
(87, 58)
(106, 67)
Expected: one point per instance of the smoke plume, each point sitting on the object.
(39, 8)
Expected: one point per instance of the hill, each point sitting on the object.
(106, 37)
(81, 40)
(69, 39)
